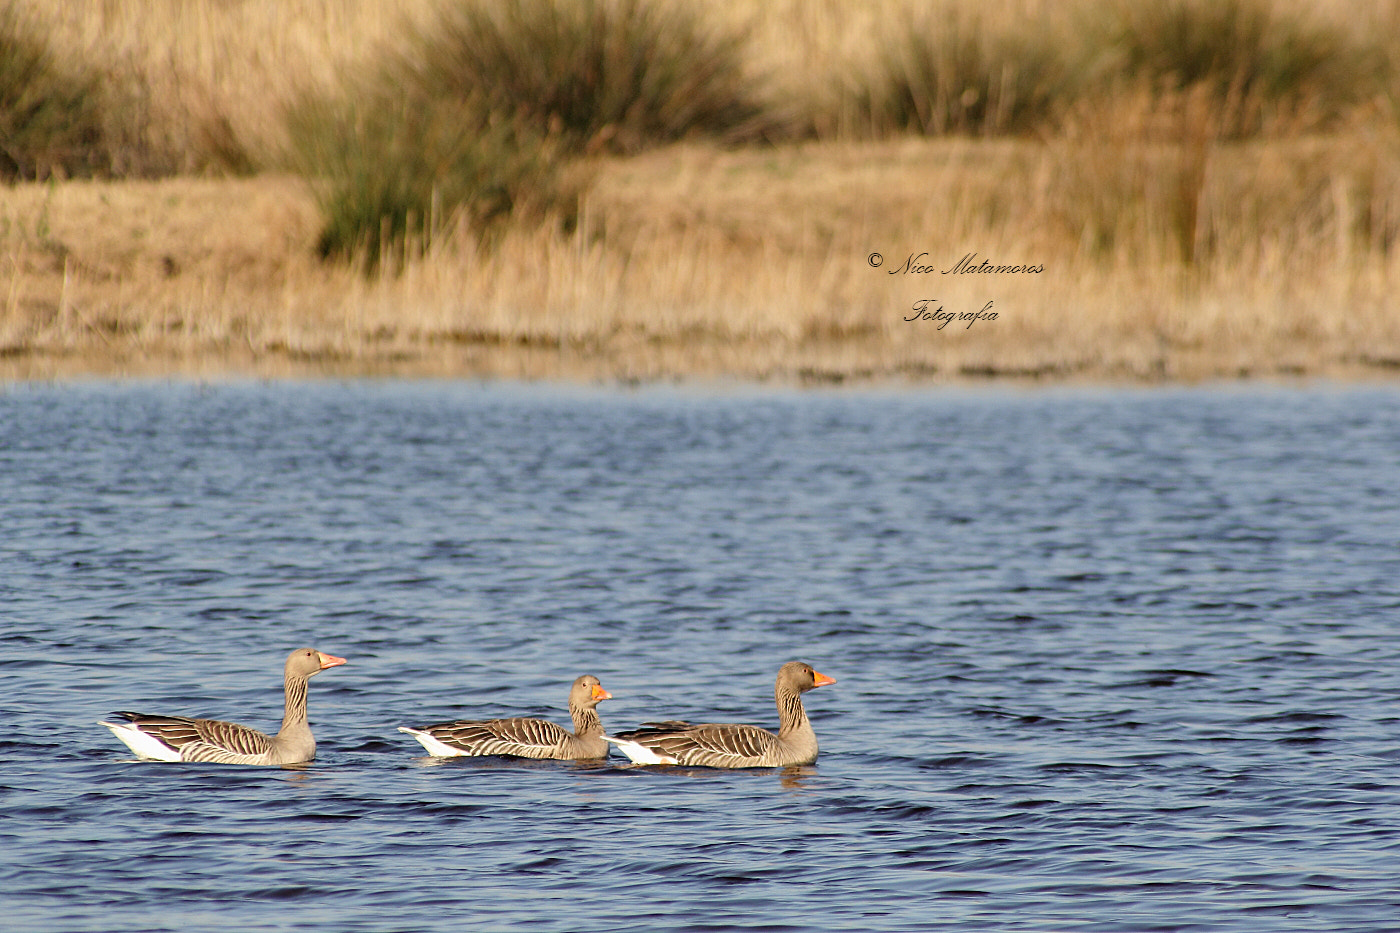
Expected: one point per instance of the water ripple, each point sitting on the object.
(1105, 661)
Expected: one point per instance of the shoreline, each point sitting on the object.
(787, 265)
(812, 369)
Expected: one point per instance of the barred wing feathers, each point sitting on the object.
(203, 739)
(522, 737)
(710, 745)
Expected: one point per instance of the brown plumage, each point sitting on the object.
(522, 737)
(730, 745)
(179, 738)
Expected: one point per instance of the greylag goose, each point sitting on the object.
(525, 738)
(178, 738)
(729, 745)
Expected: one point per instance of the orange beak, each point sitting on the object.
(600, 694)
(329, 660)
(821, 680)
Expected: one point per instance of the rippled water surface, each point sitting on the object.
(1106, 660)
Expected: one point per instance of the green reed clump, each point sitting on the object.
(395, 174)
(50, 114)
(604, 75)
(950, 72)
(1265, 70)
(475, 119)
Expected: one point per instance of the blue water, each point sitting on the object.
(1107, 660)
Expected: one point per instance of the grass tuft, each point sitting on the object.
(1266, 70)
(606, 75)
(949, 72)
(394, 175)
(472, 121)
(50, 113)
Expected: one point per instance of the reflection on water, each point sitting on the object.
(795, 778)
(1106, 660)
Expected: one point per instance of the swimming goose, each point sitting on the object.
(729, 745)
(178, 738)
(525, 738)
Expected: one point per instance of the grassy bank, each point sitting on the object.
(1184, 229)
(696, 261)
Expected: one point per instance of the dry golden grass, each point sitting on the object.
(697, 262)
(1167, 254)
(213, 75)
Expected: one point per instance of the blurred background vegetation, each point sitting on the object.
(657, 186)
(412, 120)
